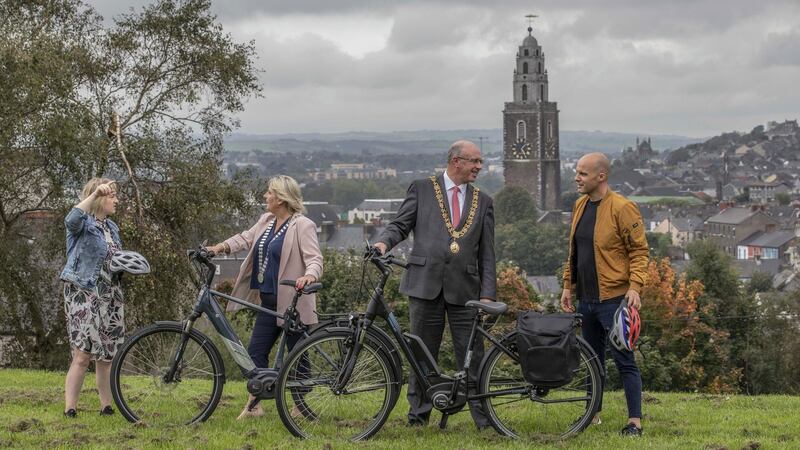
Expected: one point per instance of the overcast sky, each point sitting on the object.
(684, 67)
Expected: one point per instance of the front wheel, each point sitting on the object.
(307, 403)
(139, 382)
(520, 410)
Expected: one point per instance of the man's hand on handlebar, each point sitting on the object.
(381, 247)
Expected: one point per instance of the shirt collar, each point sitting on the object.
(448, 184)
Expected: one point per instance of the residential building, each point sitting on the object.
(766, 245)
(375, 209)
(356, 171)
(733, 225)
(682, 230)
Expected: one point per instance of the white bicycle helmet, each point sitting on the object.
(130, 262)
(625, 332)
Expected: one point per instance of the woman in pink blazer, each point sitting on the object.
(281, 245)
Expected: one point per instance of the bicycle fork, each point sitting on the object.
(173, 374)
(349, 363)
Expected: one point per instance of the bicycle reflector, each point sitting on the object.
(625, 332)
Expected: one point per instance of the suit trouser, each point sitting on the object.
(427, 321)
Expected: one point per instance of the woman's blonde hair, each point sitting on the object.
(89, 187)
(288, 191)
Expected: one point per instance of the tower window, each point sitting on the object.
(540, 68)
(541, 92)
(521, 130)
(524, 67)
(524, 92)
(537, 52)
(525, 52)
(550, 129)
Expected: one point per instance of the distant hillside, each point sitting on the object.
(434, 141)
(774, 144)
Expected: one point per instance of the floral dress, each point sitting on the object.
(95, 317)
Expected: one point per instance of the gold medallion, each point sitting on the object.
(455, 234)
(454, 247)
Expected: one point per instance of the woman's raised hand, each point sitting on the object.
(104, 190)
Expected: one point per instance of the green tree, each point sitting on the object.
(145, 100)
(539, 249)
(568, 199)
(724, 306)
(759, 282)
(659, 244)
(513, 204)
(783, 198)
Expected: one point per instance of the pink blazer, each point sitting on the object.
(300, 255)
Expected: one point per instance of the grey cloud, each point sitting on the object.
(726, 65)
(781, 49)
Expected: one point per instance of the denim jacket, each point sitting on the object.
(86, 248)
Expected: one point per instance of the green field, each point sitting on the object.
(31, 405)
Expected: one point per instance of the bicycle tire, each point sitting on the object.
(137, 371)
(307, 405)
(531, 416)
(379, 337)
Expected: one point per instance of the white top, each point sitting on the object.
(448, 186)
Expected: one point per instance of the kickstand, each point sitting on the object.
(443, 421)
(253, 404)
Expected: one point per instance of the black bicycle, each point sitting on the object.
(170, 372)
(348, 384)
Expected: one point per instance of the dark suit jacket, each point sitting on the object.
(467, 275)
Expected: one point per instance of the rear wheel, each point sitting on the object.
(138, 376)
(306, 402)
(521, 410)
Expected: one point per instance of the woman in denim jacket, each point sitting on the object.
(93, 300)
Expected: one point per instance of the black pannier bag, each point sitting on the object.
(548, 347)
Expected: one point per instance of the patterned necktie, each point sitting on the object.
(456, 213)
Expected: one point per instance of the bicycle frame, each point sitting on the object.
(377, 307)
(206, 304)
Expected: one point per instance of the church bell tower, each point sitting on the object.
(530, 129)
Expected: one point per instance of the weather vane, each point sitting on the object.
(530, 18)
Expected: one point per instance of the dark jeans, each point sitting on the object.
(598, 318)
(427, 319)
(266, 332)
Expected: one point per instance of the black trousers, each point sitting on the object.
(427, 319)
(266, 333)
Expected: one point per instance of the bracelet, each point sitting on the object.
(225, 247)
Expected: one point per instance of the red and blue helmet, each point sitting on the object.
(625, 332)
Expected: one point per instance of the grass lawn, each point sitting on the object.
(31, 405)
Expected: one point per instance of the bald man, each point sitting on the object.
(607, 264)
(451, 263)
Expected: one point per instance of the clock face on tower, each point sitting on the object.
(550, 150)
(520, 149)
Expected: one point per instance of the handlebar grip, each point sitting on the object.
(288, 282)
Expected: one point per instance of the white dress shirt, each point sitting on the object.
(448, 185)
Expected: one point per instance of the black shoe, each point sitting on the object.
(416, 423)
(71, 413)
(631, 430)
(107, 411)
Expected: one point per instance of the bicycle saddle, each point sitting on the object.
(493, 308)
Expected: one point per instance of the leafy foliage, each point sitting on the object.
(145, 101)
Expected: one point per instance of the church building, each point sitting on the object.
(530, 130)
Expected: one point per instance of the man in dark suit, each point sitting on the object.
(451, 263)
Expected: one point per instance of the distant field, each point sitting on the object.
(31, 405)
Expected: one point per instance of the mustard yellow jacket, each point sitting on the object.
(620, 246)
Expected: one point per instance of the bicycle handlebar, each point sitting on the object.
(382, 261)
